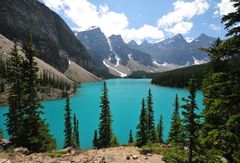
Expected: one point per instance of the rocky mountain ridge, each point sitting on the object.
(52, 37)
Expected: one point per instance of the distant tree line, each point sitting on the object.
(49, 79)
(181, 77)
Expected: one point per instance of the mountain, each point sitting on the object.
(124, 52)
(96, 43)
(177, 50)
(54, 40)
(113, 54)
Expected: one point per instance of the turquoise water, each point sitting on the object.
(125, 100)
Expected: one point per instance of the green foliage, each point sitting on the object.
(1, 133)
(180, 77)
(232, 19)
(76, 133)
(55, 154)
(160, 130)
(191, 120)
(175, 129)
(106, 136)
(95, 139)
(114, 141)
(15, 77)
(24, 124)
(68, 135)
(48, 79)
(142, 127)
(153, 149)
(221, 90)
(130, 140)
(2, 88)
(150, 116)
(2, 69)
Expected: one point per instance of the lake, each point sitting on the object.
(125, 97)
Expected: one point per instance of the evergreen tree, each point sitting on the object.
(16, 113)
(2, 89)
(1, 133)
(175, 130)
(114, 141)
(221, 91)
(191, 119)
(130, 140)
(105, 126)
(76, 132)
(150, 111)
(68, 140)
(95, 139)
(142, 128)
(160, 130)
(37, 137)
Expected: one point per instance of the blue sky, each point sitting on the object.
(153, 20)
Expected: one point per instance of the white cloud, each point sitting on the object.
(215, 27)
(224, 7)
(145, 32)
(179, 19)
(181, 27)
(85, 15)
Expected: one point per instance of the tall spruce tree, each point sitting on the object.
(130, 140)
(142, 127)
(76, 132)
(15, 113)
(150, 116)
(1, 133)
(175, 130)
(221, 91)
(37, 136)
(191, 118)
(105, 126)
(160, 130)
(95, 139)
(68, 135)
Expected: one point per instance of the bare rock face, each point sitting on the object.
(54, 40)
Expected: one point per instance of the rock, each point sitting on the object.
(149, 154)
(21, 150)
(66, 150)
(135, 157)
(4, 161)
(128, 157)
(102, 160)
(146, 158)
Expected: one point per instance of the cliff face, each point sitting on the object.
(52, 37)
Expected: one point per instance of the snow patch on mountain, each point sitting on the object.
(114, 69)
(115, 54)
(198, 62)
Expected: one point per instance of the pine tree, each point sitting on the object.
(76, 132)
(2, 89)
(130, 140)
(142, 128)
(15, 99)
(68, 140)
(175, 130)
(160, 130)
(191, 119)
(105, 126)
(95, 139)
(221, 91)
(1, 133)
(37, 137)
(150, 111)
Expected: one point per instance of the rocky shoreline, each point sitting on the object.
(109, 155)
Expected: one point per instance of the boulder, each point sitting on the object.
(135, 157)
(21, 150)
